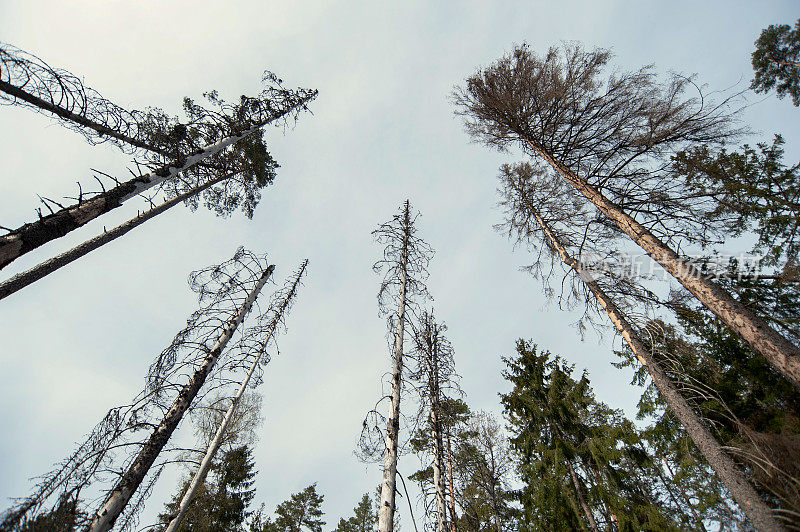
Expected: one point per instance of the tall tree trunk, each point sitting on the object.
(730, 474)
(23, 279)
(130, 481)
(438, 447)
(31, 236)
(388, 486)
(782, 354)
(453, 518)
(205, 465)
(581, 499)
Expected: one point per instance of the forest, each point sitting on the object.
(645, 208)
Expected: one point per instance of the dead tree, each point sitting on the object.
(611, 139)
(43, 269)
(530, 222)
(195, 364)
(255, 344)
(27, 80)
(435, 376)
(221, 140)
(404, 268)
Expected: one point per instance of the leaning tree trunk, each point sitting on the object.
(748, 500)
(130, 481)
(21, 280)
(205, 465)
(581, 499)
(28, 79)
(782, 354)
(388, 486)
(31, 236)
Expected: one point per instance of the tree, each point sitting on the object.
(529, 223)
(218, 140)
(776, 61)
(610, 140)
(43, 269)
(281, 302)
(753, 190)
(220, 504)
(574, 452)
(363, 519)
(63, 518)
(435, 376)
(404, 266)
(175, 383)
(483, 475)
(302, 511)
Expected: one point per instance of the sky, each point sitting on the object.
(382, 131)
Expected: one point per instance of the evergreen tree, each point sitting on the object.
(573, 464)
(303, 510)
(363, 519)
(752, 191)
(776, 61)
(221, 503)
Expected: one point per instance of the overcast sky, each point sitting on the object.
(382, 130)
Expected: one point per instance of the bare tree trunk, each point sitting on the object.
(452, 484)
(438, 447)
(388, 486)
(579, 491)
(782, 354)
(205, 465)
(84, 121)
(31, 236)
(21, 280)
(441, 509)
(130, 481)
(751, 504)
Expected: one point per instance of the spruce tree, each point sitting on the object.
(221, 504)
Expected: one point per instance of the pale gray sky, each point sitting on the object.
(383, 130)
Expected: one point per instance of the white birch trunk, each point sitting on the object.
(746, 497)
(782, 354)
(130, 481)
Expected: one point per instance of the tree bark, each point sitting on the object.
(21, 280)
(782, 354)
(388, 486)
(130, 481)
(751, 504)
